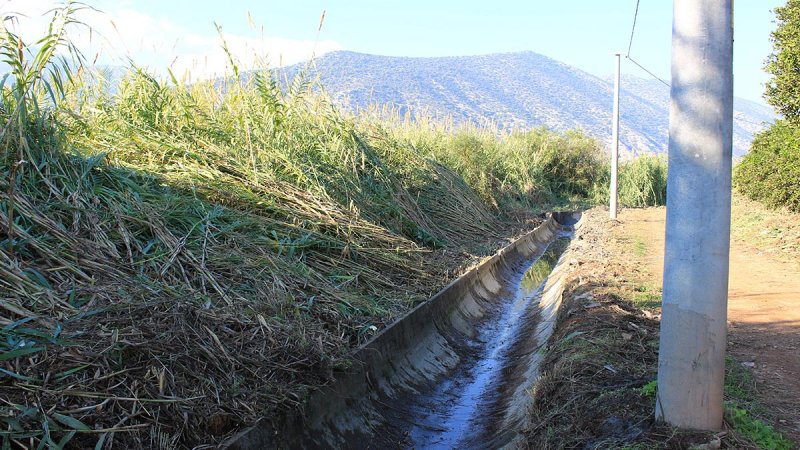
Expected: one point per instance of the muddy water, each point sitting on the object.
(457, 411)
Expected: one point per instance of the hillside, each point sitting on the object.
(514, 90)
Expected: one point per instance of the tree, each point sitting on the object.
(783, 90)
(770, 173)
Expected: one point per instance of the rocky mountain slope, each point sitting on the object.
(514, 90)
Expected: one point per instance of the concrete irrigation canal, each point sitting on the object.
(454, 372)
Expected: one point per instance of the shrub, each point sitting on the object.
(770, 173)
(762, 435)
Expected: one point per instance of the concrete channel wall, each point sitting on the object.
(364, 407)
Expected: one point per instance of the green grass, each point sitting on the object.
(739, 408)
(763, 436)
(776, 232)
(650, 389)
(639, 247)
(646, 295)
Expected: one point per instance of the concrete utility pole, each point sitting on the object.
(612, 207)
(691, 362)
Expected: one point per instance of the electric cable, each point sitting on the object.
(649, 72)
(630, 45)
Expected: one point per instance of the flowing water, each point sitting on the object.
(455, 414)
(455, 372)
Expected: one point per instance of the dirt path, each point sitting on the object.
(763, 312)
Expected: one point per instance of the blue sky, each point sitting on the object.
(583, 33)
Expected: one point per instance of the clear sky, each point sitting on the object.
(181, 33)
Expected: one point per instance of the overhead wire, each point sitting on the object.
(630, 45)
(649, 72)
(633, 28)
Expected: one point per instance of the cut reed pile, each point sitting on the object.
(177, 261)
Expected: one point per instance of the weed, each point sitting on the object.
(646, 295)
(759, 433)
(739, 383)
(639, 247)
(774, 231)
(650, 389)
(743, 413)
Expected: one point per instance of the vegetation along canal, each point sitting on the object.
(453, 373)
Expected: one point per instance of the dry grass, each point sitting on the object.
(775, 231)
(177, 262)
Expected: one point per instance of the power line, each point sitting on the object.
(649, 72)
(646, 70)
(633, 29)
(741, 119)
(630, 45)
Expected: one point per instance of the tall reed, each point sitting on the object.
(178, 261)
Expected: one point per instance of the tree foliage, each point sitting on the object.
(770, 173)
(783, 90)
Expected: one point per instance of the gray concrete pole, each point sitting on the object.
(612, 206)
(691, 361)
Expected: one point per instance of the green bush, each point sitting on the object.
(770, 173)
(650, 389)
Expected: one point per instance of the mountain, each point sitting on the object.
(514, 90)
(748, 118)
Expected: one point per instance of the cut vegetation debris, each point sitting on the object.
(178, 261)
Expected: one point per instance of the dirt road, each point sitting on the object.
(763, 312)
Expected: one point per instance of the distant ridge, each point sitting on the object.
(523, 89)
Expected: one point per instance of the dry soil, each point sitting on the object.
(763, 313)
